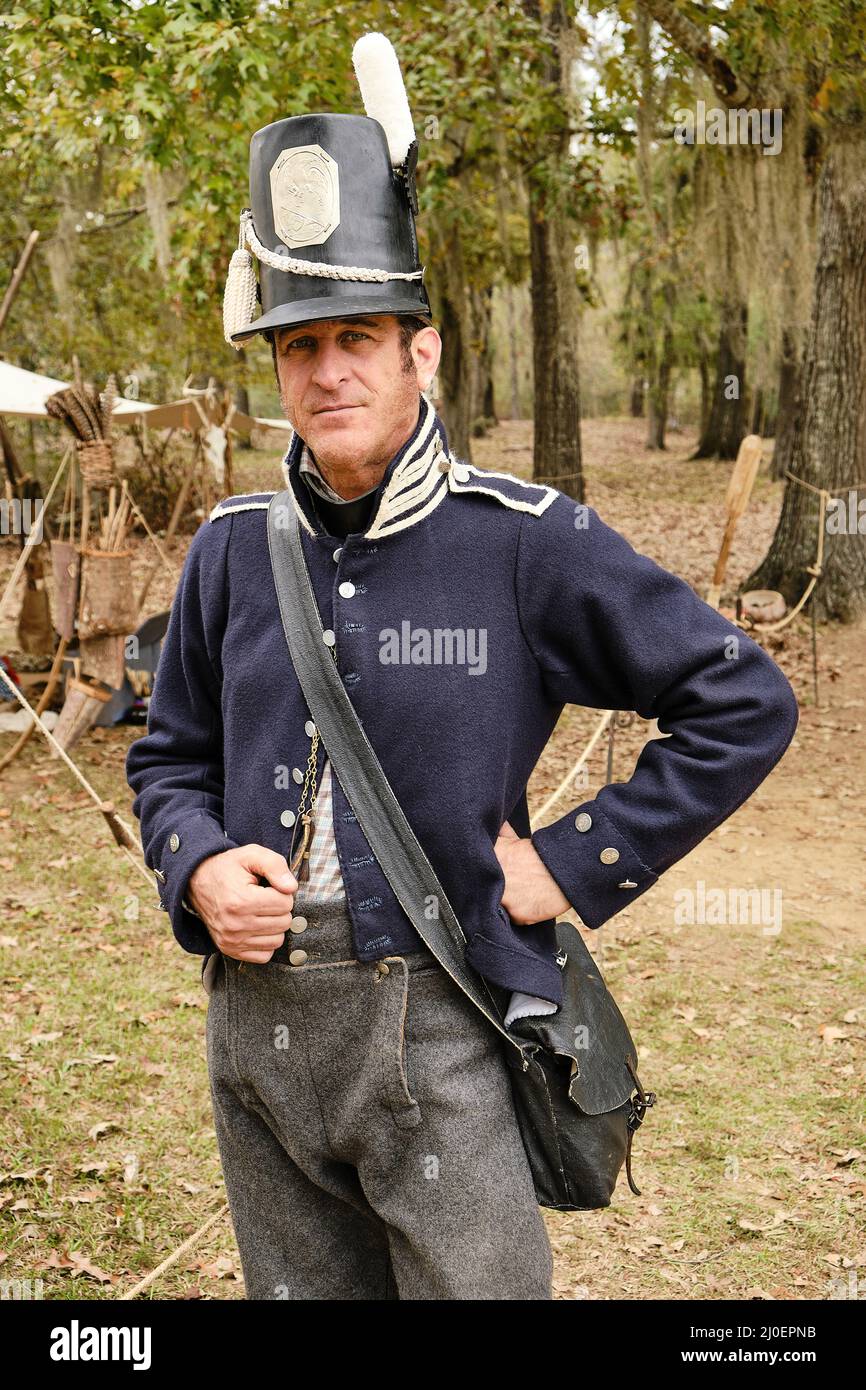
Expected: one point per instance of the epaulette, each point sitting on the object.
(243, 502)
(510, 491)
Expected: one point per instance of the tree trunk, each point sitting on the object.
(758, 412)
(488, 393)
(504, 186)
(555, 304)
(481, 360)
(726, 424)
(829, 449)
(657, 396)
(556, 456)
(455, 377)
(661, 257)
(787, 407)
(706, 393)
(514, 373)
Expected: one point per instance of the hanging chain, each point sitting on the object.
(310, 775)
(300, 860)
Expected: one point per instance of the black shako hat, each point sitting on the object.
(332, 215)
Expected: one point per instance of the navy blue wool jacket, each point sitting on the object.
(472, 608)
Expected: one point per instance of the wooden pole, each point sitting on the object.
(17, 276)
(740, 486)
(184, 489)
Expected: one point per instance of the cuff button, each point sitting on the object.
(628, 884)
(174, 843)
(609, 856)
(583, 822)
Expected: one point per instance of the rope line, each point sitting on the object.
(31, 539)
(815, 570)
(159, 550)
(554, 796)
(171, 1259)
(840, 487)
(103, 805)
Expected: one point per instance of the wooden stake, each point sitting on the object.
(17, 277)
(740, 486)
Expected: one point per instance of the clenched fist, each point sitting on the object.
(246, 919)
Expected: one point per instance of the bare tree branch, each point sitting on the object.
(698, 46)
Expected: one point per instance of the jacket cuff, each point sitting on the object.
(188, 842)
(596, 868)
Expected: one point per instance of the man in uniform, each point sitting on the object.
(362, 1103)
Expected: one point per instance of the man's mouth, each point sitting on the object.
(331, 409)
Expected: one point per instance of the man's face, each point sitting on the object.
(347, 391)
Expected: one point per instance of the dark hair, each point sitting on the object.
(409, 325)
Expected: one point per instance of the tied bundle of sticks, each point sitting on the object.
(114, 525)
(106, 609)
(87, 414)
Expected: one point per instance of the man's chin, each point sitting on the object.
(339, 436)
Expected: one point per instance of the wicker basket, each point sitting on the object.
(96, 463)
(107, 599)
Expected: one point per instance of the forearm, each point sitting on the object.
(625, 634)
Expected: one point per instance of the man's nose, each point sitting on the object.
(330, 366)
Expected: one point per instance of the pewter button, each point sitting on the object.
(444, 464)
(297, 957)
(298, 924)
(609, 856)
(583, 822)
(328, 637)
(309, 728)
(382, 968)
(347, 588)
(174, 843)
(287, 818)
(297, 775)
(337, 553)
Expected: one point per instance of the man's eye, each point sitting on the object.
(305, 342)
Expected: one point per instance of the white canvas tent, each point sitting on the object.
(23, 394)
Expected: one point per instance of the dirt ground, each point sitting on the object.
(749, 1030)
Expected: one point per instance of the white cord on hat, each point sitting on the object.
(239, 298)
(327, 272)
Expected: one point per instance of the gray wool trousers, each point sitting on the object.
(366, 1128)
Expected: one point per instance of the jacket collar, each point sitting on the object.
(412, 486)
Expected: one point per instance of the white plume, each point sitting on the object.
(377, 69)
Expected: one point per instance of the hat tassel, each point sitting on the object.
(239, 300)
